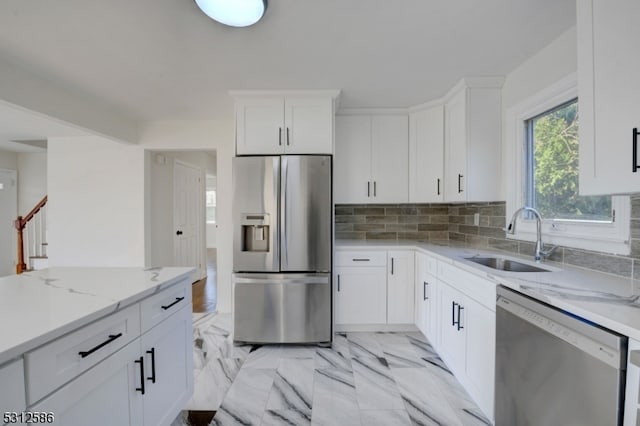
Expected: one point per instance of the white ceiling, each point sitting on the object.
(164, 59)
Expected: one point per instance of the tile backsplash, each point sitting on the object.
(455, 222)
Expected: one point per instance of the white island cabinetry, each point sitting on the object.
(123, 357)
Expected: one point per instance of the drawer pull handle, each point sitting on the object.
(153, 365)
(460, 309)
(111, 338)
(178, 299)
(141, 362)
(338, 282)
(361, 260)
(424, 290)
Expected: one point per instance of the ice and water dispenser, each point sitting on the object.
(255, 232)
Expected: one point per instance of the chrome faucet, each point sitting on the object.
(540, 253)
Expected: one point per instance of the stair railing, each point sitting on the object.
(31, 235)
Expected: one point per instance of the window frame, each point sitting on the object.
(610, 237)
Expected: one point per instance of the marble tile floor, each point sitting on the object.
(363, 379)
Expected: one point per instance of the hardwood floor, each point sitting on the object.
(204, 292)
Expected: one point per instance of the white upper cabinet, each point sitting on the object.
(608, 87)
(472, 117)
(426, 155)
(371, 160)
(271, 123)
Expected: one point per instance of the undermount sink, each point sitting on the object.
(506, 264)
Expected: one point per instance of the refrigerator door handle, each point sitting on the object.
(284, 253)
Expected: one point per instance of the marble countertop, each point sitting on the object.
(608, 300)
(38, 306)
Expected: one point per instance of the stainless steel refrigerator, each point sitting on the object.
(282, 210)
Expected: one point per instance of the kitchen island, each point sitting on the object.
(97, 345)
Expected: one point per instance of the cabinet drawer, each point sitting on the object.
(361, 258)
(12, 397)
(479, 289)
(159, 306)
(55, 363)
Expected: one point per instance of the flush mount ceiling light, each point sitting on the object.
(235, 13)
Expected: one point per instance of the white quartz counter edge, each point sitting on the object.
(608, 300)
(24, 326)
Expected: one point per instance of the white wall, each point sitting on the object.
(96, 203)
(8, 160)
(548, 66)
(32, 180)
(205, 135)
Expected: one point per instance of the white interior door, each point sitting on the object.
(8, 214)
(188, 198)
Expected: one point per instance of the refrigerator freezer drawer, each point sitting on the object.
(282, 308)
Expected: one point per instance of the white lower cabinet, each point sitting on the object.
(426, 317)
(12, 398)
(145, 382)
(632, 392)
(467, 342)
(103, 396)
(400, 288)
(453, 332)
(361, 295)
(374, 288)
(168, 368)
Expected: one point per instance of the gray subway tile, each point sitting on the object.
(433, 227)
(350, 235)
(466, 229)
(344, 210)
(396, 227)
(344, 227)
(600, 262)
(369, 211)
(491, 232)
(382, 236)
(439, 219)
(503, 244)
(418, 236)
(434, 210)
(438, 235)
(367, 227)
(477, 240)
(350, 219)
(381, 219)
(494, 210)
(456, 236)
(497, 221)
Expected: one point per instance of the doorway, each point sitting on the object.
(8, 214)
(181, 216)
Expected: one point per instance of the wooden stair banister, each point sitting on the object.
(20, 224)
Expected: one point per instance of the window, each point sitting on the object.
(542, 171)
(210, 199)
(551, 168)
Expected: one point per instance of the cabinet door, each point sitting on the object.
(308, 125)
(453, 327)
(361, 296)
(104, 395)
(390, 159)
(429, 309)
(456, 147)
(168, 367)
(260, 126)
(12, 394)
(426, 156)
(352, 162)
(400, 287)
(609, 83)
(481, 354)
(420, 291)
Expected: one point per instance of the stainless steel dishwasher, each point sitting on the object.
(553, 368)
